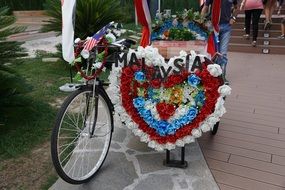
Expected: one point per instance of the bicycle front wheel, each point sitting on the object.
(82, 135)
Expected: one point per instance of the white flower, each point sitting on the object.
(144, 138)
(119, 109)
(180, 143)
(138, 132)
(212, 120)
(97, 65)
(188, 139)
(183, 53)
(196, 133)
(215, 70)
(205, 127)
(170, 146)
(111, 36)
(220, 112)
(131, 125)
(152, 144)
(220, 103)
(124, 117)
(225, 90)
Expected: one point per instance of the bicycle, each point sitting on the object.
(84, 125)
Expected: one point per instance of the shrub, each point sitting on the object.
(12, 85)
(91, 15)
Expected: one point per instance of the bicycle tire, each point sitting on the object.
(82, 137)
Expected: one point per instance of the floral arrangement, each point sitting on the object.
(187, 25)
(170, 110)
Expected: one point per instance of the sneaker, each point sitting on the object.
(253, 43)
(281, 37)
(267, 25)
(246, 36)
(68, 87)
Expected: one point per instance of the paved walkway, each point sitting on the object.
(248, 151)
(131, 165)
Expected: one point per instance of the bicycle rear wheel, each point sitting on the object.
(78, 149)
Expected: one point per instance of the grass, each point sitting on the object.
(50, 181)
(30, 123)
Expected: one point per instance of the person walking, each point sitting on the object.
(252, 10)
(269, 6)
(282, 36)
(227, 19)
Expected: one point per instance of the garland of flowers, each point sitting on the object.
(167, 113)
(184, 26)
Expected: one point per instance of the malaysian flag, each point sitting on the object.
(90, 43)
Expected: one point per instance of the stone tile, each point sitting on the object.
(183, 184)
(151, 162)
(136, 144)
(130, 152)
(197, 168)
(204, 184)
(115, 146)
(157, 182)
(119, 135)
(116, 173)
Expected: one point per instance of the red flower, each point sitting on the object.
(165, 110)
(128, 72)
(155, 83)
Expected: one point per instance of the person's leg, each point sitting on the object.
(283, 26)
(282, 36)
(255, 20)
(266, 11)
(271, 10)
(247, 23)
(224, 38)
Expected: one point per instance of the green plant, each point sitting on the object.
(91, 15)
(12, 85)
(23, 4)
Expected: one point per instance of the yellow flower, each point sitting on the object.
(176, 95)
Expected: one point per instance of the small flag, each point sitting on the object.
(144, 18)
(95, 39)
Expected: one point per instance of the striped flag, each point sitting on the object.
(144, 18)
(68, 15)
(95, 39)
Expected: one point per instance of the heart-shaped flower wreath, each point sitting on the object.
(167, 104)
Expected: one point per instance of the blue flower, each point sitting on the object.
(171, 130)
(178, 123)
(192, 113)
(140, 76)
(194, 80)
(138, 102)
(200, 97)
(162, 127)
(185, 120)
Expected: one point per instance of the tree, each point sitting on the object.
(12, 85)
(91, 16)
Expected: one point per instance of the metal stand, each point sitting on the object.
(176, 163)
(71, 77)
